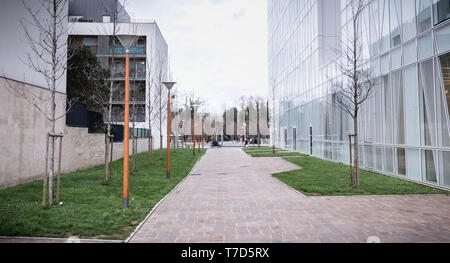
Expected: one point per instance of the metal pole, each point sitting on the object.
(126, 133)
(193, 130)
(168, 136)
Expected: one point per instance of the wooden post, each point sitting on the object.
(44, 192)
(111, 139)
(351, 161)
(59, 170)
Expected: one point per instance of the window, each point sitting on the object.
(411, 106)
(442, 38)
(106, 19)
(397, 89)
(378, 157)
(369, 157)
(395, 11)
(443, 99)
(384, 11)
(423, 15)
(425, 46)
(374, 28)
(294, 134)
(385, 64)
(441, 10)
(396, 58)
(387, 109)
(413, 164)
(428, 166)
(75, 18)
(410, 52)
(409, 19)
(427, 112)
(401, 161)
(445, 168)
(388, 160)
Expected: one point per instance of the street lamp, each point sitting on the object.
(169, 86)
(127, 41)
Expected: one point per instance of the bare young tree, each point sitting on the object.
(48, 57)
(117, 9)
(161, 98)
(150, 103)
(273, 95)
(358, 83)
(134, 114)
(258, 101)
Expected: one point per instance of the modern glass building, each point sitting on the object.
(404, 127)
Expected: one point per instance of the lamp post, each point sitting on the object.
(169, 86)
(127, 41)
(193, 127)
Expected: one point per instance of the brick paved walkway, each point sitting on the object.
(231, 197)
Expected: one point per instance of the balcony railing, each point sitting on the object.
(138, 76)
(133, 51)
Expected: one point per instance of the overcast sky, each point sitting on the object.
(217, 48)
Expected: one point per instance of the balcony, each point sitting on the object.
(120, 76)
(133, 51)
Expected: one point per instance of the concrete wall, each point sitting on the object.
(82, 150)
(23, 131)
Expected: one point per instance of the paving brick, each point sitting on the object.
(237, 200)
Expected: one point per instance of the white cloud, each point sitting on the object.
(218, 48)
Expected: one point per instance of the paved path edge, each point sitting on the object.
(161, 202)
(56, 240)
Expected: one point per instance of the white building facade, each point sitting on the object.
(148, 63)
(404, 128)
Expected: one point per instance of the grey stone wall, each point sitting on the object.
(23, 131)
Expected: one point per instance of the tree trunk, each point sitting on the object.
(174, 144)
(150, 150)
(53, 104)
(111, 86)
(257, 126)
(161, 147)
(106, 168)
(356, 180)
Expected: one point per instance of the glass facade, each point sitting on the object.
(404, 126)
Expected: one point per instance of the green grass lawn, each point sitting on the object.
(325, 178)
(267, 152)
(91, 209)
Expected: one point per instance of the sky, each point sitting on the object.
(217, 48)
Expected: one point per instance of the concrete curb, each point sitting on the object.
(296, 191)
(53, 240)
(278, 180)
(161, 202)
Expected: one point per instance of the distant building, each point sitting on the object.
(404, 128)
(149, 48)
(97, 11)
(24, 128)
